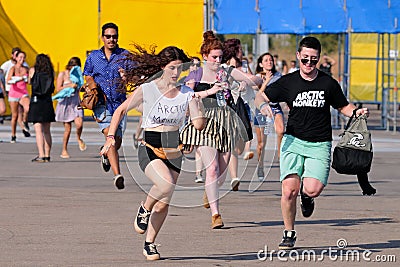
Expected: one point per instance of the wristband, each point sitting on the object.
(262, 105)
(110, 136)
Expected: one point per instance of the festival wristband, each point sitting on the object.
(110, 136)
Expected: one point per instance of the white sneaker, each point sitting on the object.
(199, 179)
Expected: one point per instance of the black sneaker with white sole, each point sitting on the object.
(307, 203)
(142, 220)
(26, 124)
(105, 163)
(288, 239)
(199, 179)
(119, 181)
(150, 251)
(26, 132)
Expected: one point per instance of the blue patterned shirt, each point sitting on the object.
(105, 73)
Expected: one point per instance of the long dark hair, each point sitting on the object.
(231, 50)
(43, 64)
(259, 69)
(145, 65)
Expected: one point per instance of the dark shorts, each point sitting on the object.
(1, 95)
(159, 139)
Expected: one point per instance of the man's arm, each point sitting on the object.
(348, 110)
(88, 70)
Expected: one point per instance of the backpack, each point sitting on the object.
(353, 153)
(42, 84)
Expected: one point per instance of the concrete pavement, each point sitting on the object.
(68, 213)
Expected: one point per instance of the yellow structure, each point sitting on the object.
(63, 29)
(367, 66)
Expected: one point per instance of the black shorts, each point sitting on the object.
(159, 139)
(1, 95)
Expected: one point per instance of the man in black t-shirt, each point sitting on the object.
(306, 146)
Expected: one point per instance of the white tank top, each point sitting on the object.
(160, 110)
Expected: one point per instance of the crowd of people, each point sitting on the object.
(212, 112)
(37, 108)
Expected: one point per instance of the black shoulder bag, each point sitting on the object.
(353, 154)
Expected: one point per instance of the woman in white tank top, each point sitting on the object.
(165, 104)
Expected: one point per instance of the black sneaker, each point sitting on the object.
(307, 203)
(26, 124)
(26, 132)
(150, 251)
(142, 220)
(119, 181)
(199, 179)
(105, 163)
(13, 139)
(288, 240)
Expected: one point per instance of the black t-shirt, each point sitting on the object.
(309, 103)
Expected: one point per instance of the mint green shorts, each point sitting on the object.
(306, 159)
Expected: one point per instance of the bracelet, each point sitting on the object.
(262, 105)
(111, 136)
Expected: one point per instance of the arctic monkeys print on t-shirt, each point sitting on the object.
(309, 103)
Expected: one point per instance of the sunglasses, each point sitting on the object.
(306, 60)
(195, 64)
(108, 36)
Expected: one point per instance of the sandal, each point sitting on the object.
(248, 155)
(39, 159)
(82, 145)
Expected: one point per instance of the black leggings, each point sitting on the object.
(365, 185)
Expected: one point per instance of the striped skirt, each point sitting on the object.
(223, 128)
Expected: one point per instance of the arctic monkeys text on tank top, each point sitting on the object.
(309, 103)
(160, 110)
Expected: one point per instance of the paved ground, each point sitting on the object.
(68, 213)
